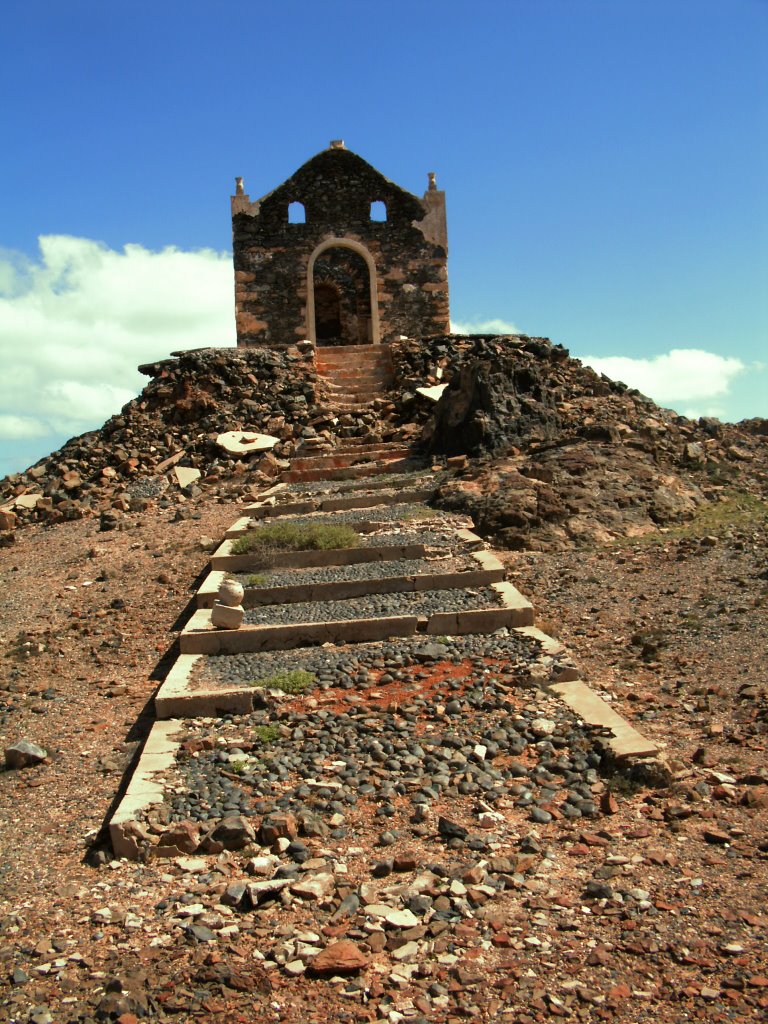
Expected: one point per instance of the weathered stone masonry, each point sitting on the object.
(368, 264)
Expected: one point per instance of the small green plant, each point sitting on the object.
(257, 579)
(266, 733)
(419, 513)
(296, 681)
(295, 537)
(238, 767)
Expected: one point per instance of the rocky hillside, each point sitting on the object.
(190, 399)
(557, 455)
(561, 455)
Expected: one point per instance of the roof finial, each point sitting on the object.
(337, 143)
(239, 190)
(432, 181)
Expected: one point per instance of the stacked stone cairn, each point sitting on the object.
(228, 612)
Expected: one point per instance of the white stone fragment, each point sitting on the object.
(433, 393)
(243, 442)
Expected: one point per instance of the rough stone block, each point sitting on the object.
(226, 617)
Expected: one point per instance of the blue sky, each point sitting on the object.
(604, 161)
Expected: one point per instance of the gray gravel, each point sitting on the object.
(373, 606)
(475, 738)
(377, 514)
(394, 481)
(361, 571)
(348, 665)
(445, 539)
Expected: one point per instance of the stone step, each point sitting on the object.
(356, 353)
(223, 557)
(351, 381)
(342, 390)
(340, 503)
(371, 369)
(199, 636)
(340, 460)
(334, 590)
(349, 445)
(293, 476)
(384, 369)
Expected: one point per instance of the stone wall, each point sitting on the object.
(407, 251)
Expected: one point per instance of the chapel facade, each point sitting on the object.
(339, 255)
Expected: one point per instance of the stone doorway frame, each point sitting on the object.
(343, 243)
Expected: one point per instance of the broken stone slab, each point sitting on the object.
(186, 475)
(28, 501)
(316, 887)
(24, 754)
(432, 393)
(258, 891)
(243, 442)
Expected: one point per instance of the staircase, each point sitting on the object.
(353, 462)
(355, 375)
(357, 378)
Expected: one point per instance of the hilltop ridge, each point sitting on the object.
(558, 454)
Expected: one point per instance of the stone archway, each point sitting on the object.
(342, 294)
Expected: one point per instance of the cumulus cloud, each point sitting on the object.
(484, 327)
(12, 427)
(75, 323)
(674, 378)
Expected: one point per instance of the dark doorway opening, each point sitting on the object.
(342, 288)
(327, 313)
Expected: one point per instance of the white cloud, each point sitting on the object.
(75, 324)
(12, 427)
(676, 377)
(484, 327)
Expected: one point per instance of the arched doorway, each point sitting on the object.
(342, 304)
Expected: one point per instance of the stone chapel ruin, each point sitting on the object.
(339, 255)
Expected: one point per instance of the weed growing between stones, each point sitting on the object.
(419, 513)
(295, 537)
(296, 681)
(267, 733)
(257, 579)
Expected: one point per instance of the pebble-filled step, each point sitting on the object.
(357, 571)
(374, 606)
(351, 666)
(388, 481)
(445, 539)
(464, 732)
(403, 514)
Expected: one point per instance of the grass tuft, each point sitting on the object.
(266, 733)
(295, 537)
(257, 579)
(296, 681)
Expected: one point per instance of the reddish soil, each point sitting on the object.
(674, 634)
